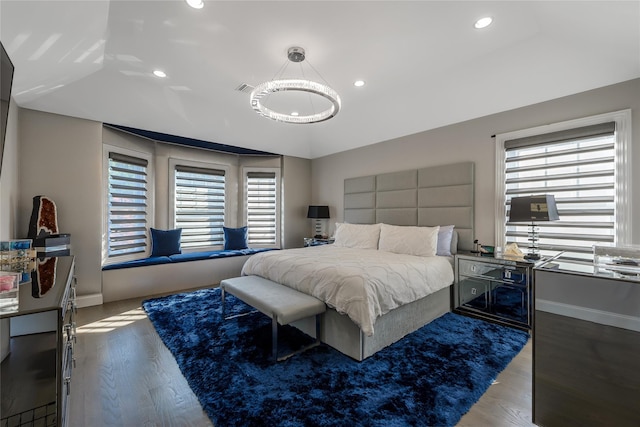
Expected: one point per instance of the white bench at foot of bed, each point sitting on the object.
(284, 305)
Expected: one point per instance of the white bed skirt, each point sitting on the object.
(341, 333)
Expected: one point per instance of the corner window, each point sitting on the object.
(128, 207)
(199, 205)
(262, 207)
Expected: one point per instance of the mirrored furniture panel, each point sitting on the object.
(36, 374)
(494, 288)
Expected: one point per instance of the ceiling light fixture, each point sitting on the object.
(358, 83)
(196, 4)
(159, 73)
(483, 22)
(261, 92)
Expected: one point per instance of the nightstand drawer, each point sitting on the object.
(475, 268)
(474, 293)
(508, 274)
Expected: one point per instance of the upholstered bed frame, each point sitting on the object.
(439, 195)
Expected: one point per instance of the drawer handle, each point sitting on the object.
(67, 329)
(67, 382)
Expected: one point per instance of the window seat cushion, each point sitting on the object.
(184, 257)
(156, 260)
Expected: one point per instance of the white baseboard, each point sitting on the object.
(88, 300)
(608, 318)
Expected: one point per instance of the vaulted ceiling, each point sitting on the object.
(424, 63)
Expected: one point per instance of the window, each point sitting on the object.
(582, 167)
(128, 206)
(199, 205)
(262, 211)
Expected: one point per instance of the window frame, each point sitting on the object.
(175, 162)
(150, 211)
(623, 142)
(246, 170)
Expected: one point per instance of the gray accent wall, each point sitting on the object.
(471, 141)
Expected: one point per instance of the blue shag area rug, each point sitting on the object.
(430, 378)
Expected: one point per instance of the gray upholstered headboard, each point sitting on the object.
(437, 195)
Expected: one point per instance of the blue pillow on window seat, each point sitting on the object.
(235, 238)
(165, 242)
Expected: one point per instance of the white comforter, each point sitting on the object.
(361, 283)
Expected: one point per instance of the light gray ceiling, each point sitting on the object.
(424, 63)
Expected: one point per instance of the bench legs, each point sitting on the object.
(274, 340)
(274, 332)
(224, 316)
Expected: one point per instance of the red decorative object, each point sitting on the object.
(44, 218)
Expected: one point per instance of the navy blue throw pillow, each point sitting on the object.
(235, 238)
(165, 242)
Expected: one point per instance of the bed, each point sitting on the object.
(407, 208)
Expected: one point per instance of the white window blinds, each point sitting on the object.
(199, 206)
(578, 167)
(127, 205)
(262, 208)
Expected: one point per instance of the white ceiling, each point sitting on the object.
(424, 63)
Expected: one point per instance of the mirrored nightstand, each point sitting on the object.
(498, 289)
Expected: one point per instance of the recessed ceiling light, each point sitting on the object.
(483, 22)
(358, 83)
(196, 4)
(159, 73)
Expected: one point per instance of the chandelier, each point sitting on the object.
(262, 91)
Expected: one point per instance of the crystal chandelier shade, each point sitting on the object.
(263, 90)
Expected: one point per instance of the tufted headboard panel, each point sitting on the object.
(437, 195)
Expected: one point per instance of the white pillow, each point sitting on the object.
(445, 235)
(419, 241)
(361, 236)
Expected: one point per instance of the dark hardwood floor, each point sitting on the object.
(125, 376)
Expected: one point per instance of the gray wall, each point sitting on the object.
(296, 183)
(61, 157)
(471, 141)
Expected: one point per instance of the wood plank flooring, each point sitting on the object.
(125, 376)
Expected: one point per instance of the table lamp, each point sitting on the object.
(318, 213)
(533, 209)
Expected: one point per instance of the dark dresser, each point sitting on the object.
(36, 374)
(586, 346)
